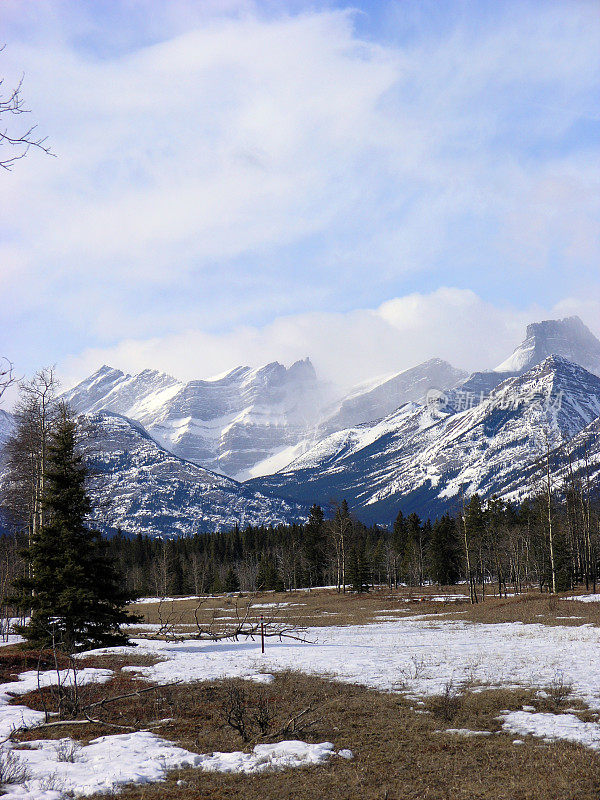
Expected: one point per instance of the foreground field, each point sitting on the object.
(431, 698)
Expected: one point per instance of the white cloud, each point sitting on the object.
(346, 348)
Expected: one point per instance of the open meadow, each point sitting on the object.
(408, 693)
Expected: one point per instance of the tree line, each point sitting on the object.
(493, 546)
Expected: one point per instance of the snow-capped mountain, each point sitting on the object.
(139, 487)
(226, 424)
(414, 440)
(422, 457)
(372, 401)
(567, 337)
(250, 421)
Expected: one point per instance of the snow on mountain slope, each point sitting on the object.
(375, 400)
(7, 424)
(139, 487)
(366, 403)
(567, 337)
(227, 424)
(136, 396)
(580, 457)
(422, 458)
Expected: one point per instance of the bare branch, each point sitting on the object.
(137, 693)
(12, 104)
(249, 625)
(298, 724)
(7, 377)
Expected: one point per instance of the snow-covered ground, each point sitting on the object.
(14, 717)
(423, 653)
(584, 598)
(59, 768)
(10, 638)
(553, 727)
(143, 600)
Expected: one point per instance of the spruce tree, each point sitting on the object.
(444, 552)
(358, 568)
(314, 546)
(232, 583)
(268, 577)
(73, 591)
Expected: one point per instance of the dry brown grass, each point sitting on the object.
(398, 752)
(326, 607)
(14, 660)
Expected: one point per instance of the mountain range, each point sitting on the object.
(259, 445)
(421, 457)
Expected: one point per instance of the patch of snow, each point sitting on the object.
(164, 599)
(439, 598)
(10, 638)
(14, 717)
(261, 677)
(553, 727)
(584, 598)
(269, 757)
(109, 763)
(105, 765)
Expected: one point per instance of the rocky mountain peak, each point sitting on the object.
(567, 337)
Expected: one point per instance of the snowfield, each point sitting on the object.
(422, 654)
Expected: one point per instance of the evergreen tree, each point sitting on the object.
(268, 576)
(314, 546)
(359, 573)
(74, 594)
(232, 583)
(444, 552)
(216, 585)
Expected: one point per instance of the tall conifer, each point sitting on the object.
(74, 593)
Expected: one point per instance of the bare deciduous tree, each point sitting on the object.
(26, 452)
(17, 143)
(248, 624)
(7, 377)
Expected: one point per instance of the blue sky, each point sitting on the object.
(236, 182)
